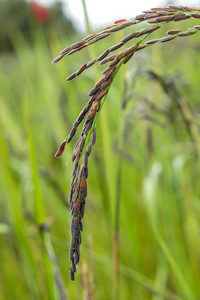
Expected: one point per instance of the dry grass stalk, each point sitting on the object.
(154, 18)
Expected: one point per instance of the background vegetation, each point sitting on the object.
(141, 225)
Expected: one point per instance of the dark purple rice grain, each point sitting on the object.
(106, 70)
(82, 210)
(95, 105)
(186, 33)
(71, 254)
(80, 239)
(164, 13)
(76, 258)
(141, 33)
(72, 132)
(91, 63)
(83, 187)
(57, 58)
(76, 224)
(77, 45)
(76, 184)
(99, 82)
(89, 104)
(151, 15)
(72, 227)
(71, 211)
(103, 55)
(78, 156)
(140, 17)
(90, 115)
(61, 149)
(126, 24)
(166, 39)
(93, 91)
(72, 180)
(101, 94)
(72, 76)
(114, 29)
(129, 37)
(71, 275)
(120, 56)
(176, 16)
(69, 139)
(113, 64)
(130, 49)
(77, 151)
(89, 149)
(101, 36)
(94, 137)
(110, 72)
(70, 196)
(127, 58)
(73, 242)
(150, 30)
(80, 225)
(75, 196)
(81, 115)
(112, 57)
(191, 8)
(73, 266)
(76, 208)
(80, 173)
(105, 60)
(106, 84)
(65, 50)
(76, 123)
(82, 198)
(172, 32)
(82, 142)
(78, 249)
(86, 172)
(163, 19)
(89, 37)
(115, 47)
(73, 157)
(182, 18)
(153, 21)
(151, 41)
(75, 168)
(178, 7)
(85, 160)
(86, 128)
(81, 69)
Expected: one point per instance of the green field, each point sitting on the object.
(141, 224)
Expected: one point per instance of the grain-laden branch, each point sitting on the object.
(153, 19)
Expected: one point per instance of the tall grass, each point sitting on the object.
(152, 159)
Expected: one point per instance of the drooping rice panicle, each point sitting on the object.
(154, 18)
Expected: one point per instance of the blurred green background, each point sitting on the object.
(141, 225)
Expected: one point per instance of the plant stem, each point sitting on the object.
(86, 17)
(116, 231)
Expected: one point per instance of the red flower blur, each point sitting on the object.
(41, 14)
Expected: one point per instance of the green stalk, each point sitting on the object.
(86, 17)
(116, 229)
